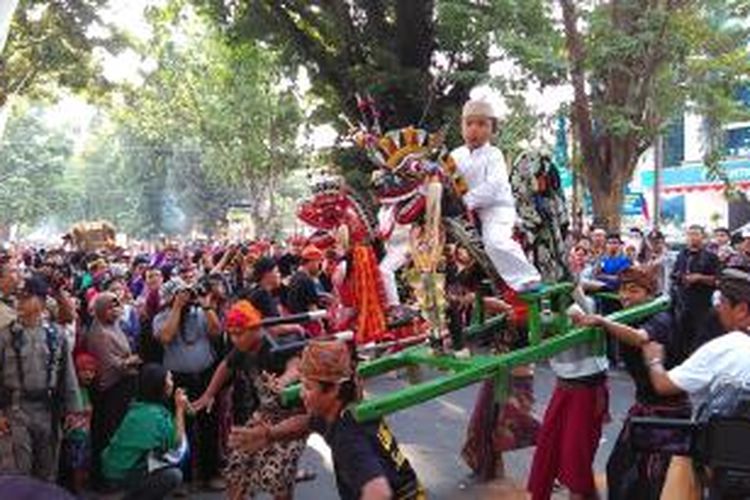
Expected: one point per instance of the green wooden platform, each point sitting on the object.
(549, 334)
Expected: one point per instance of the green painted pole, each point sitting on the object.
(474, 369)
(486, 366)
(444, 362)
(495, 322)
(413, 395)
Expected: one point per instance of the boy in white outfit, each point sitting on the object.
(490, 195)
(396, 237)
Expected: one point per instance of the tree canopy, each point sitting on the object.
(52, 42)
(220, 117)
(32, 166)
(633, 65)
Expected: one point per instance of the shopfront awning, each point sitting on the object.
(694, 177)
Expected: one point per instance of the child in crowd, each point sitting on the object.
(78, 425)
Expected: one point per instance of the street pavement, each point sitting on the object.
(432, 434)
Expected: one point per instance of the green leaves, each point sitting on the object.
(222, 113)
(50, 43)
(31, 169)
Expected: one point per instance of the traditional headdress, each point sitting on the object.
(326, 361)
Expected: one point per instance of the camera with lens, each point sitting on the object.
(202, 288)
(716, 439)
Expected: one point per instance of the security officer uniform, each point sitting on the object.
(38, 385)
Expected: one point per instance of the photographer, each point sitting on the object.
(185, 327)
(723, 359)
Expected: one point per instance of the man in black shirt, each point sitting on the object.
(693, 283)
(367, 460)
(304, 291)
(288, 260)
(262, 291)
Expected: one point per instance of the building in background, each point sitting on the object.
(686, 183)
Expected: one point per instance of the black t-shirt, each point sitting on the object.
(244, 367)
(363, 452)
(326, 283)
(302, 293)
(695, 299)
(288, 263)
(661, 328)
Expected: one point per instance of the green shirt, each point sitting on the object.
(146, 427)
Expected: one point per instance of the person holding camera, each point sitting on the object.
(38, 384)
(719, 362)
(723, 359)
(185, 327)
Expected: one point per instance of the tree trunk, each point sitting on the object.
(607, 183)
(7, 8)
(607, 206)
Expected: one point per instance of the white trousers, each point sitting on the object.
(396, 256)
(506, 254)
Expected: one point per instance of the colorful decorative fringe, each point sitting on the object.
(369, 294)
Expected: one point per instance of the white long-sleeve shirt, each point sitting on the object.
(486, 175)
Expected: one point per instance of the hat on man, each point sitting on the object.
(311, 252)
(642, 276)
(172, 288)
(734, 283)
(243, 315)
(326, 361)
(479, 109)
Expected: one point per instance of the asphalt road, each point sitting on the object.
(432, 434)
